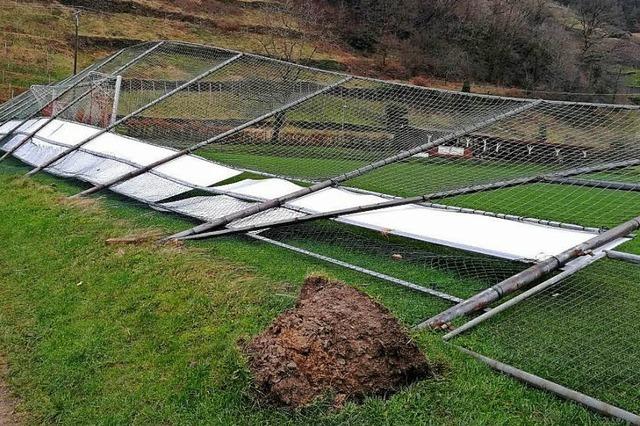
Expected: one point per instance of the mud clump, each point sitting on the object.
(336, 341)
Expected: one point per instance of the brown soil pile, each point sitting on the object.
(335, 341)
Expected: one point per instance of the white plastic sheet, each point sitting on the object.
(483, 234)
(493, 236)
(110, 156)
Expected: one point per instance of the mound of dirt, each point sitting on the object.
(335, 341)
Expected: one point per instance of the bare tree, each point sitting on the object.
(292, 30)
(593, 17)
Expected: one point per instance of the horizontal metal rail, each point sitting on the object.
(216, 138)
(569, 271)
(18, 108)
(530, 275)
(430, 89)
(277, 202)
(12, 102)
(604, 184)
(411, 200)
(625, 257)
(385, 277)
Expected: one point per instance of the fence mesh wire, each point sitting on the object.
(89, 102)
(548, 161)
(241, 91)
(245, 120)
(454, 272)
(581, 333)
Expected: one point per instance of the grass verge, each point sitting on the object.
(103, 334)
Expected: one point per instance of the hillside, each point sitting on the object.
(37, 42)
(37, 38)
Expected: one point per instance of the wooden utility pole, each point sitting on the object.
(76, 16)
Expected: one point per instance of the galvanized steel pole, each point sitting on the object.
(530, 275)
(77, 83)
(570, 394)
(216, 138)
(32, 133)
(527, 294)
(412, 200)
(355, 173)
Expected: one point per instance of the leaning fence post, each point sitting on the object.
(216, 138)
(32, 133)
(116, 72)
(70, 88)
(526, 295)
(258, 208)
(530, 275)
(413, 200)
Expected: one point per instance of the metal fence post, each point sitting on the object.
(116, 99)
(221, 136)
(530, 275)
(412, 200)
(355, 173)
(64, 92)
(48, 121)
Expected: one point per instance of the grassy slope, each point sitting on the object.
(38, 35)
(35, 41)
(111, 334)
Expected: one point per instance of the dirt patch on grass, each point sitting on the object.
(8, 403)
(335, 341)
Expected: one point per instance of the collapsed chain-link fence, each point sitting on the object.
(581, 333)
(442, 192)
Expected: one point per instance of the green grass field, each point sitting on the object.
(105, 334)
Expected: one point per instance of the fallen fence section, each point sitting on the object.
(549, 386)
(517, 282)
(580, 332)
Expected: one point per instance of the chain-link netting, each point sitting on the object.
(448, 270)
(89, 102)
(351, 126)
(65, 113)
(28, 103)
(13, 103)
(482, 187)
(581, 333)
(21, 108)
(481, 164)
(243, 90)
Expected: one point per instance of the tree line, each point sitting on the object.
(571, 45)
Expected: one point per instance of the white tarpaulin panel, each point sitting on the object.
(483, 234)
(208, 208)
(104, 165)
(9, 125)
(151, 188)
(264, 189)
